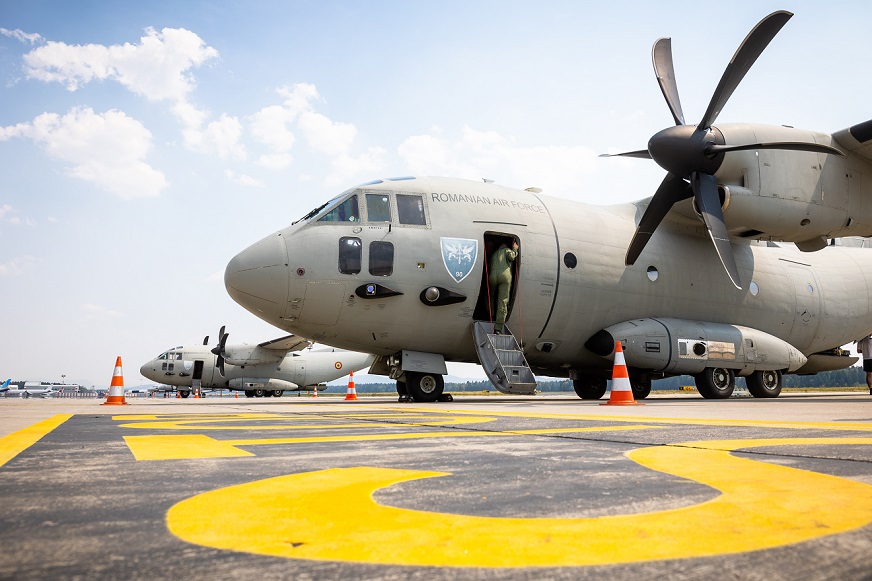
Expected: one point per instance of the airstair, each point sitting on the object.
(502, 359)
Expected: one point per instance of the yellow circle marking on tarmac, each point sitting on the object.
(331, 515)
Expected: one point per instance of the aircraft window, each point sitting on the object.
(653, 273)
(163, 366)
(410, 210)
(178, 356)
(753, 289)
(162, 356)
(344, 212)
(378, 207)
(570, 260)
(349, 255)
(381, 258)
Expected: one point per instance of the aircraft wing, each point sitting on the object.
(289, 343)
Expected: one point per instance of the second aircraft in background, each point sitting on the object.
(266, 369)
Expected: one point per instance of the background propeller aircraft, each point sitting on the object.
(692, 280)
(267, 369)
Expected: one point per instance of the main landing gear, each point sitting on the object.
(422, 387)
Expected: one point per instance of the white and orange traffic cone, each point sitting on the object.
(115, 395)
(315, 393)
(622, 391)
(351, 394)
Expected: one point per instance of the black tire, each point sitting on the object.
(184, 394)
(715, 383)
(764, 383)
(249, 393)
(641, 389)
(277, 393)
(401, 389)
(425, 387)
(588, 387)
(259, 393)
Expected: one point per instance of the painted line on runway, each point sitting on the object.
(292, 422)
(331, 515)
(793, 425)
(200, 446)
(15, 443)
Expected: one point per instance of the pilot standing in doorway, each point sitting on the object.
(864, 346)
(500, 281)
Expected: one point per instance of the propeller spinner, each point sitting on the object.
(219, 350)
(691, 154)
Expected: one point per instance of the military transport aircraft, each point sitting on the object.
(725, 271)
(267, 369)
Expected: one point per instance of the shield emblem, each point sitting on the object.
(458, 256)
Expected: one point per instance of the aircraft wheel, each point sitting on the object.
(587, 387)
(249, 393)
(259, 393)
(641, 385)
(277, 393)
(184, 393)
(425, 387)
(716, 383)
(401, 389)
(764, 383)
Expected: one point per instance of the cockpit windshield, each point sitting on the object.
(346, 211)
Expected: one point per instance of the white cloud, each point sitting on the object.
(327, 136)
(221, 137)
(488, 154)
(17, 265)
(242, 179)
(275, 161)
(156, 68)
(106, 149)
(10, 215)
(93, 312)
(21, 36)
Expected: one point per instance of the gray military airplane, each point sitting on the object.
(267, 369)
(725, 271)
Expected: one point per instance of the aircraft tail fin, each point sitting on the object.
(5, 385)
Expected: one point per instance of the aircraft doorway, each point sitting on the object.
(484, 307)
(197, 377)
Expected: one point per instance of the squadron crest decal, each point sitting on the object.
(458, 256)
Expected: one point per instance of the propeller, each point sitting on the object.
(691, 154)
(219, 350)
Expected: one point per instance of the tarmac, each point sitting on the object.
(545, 487)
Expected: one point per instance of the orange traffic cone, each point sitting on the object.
(315, 393)
(622, 391)
(351, 394)
(115, 395)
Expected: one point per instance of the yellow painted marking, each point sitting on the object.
(17, 442)
(291, 422)
(840, 426)
(182, 447)
(331, 515)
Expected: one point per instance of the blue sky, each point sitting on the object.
(143, 144)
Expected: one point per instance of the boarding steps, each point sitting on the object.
(502, 359)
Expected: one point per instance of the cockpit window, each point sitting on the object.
(410, 209)
(345, 212)
(349, 255)
(378, 207)
(162, 356)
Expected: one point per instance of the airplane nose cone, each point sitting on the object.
(147, 371)
(257, 278)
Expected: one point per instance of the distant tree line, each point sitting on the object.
(850, 377)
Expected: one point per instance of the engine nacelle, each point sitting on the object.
(678, 346)
(262, 383)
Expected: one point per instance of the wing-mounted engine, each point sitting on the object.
(749, 169)
(678, 346)
(268, 352)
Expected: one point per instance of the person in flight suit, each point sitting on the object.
(500, 281)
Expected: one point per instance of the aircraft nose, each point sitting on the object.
(257, 278)
(146, 371)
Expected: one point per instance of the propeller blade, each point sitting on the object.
(221, 365)
(705, 190)
(661, 55)
(206, 340)
(746, 55)
(642, 153)
(714, 148)
(672, 189)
